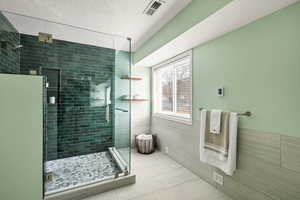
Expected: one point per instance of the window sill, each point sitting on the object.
(174, 118)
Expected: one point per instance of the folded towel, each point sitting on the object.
(144, 137)
(213, 157)
(215, 121)
(218, 142)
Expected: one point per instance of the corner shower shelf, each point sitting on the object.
(131, 78)
(135, 99)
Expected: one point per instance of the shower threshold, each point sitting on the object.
(79, 171)
(91, 189)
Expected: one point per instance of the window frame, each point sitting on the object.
(156, 104)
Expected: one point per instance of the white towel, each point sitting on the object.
(215, 121)
(213, 158)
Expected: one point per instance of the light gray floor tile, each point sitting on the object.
(150, 196)
(161, 178)
(111, 195)
(192, 190)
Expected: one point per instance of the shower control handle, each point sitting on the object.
(120, 109)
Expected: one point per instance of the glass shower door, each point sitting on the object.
(87, 138)
(122, 127)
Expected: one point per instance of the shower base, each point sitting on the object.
(88, 190)
(76, 171)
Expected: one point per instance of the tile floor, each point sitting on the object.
(161, 178)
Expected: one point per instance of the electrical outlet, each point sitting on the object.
(218, 178)
(221, 91)
(167, 150)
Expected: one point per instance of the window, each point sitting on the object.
(172, 89)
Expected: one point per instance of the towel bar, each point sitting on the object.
(247, 113)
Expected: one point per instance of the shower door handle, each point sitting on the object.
(120, 109)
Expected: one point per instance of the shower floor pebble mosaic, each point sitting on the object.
(78, 170)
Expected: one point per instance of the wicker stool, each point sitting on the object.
(145, 144)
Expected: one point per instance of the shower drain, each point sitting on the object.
(48, 177)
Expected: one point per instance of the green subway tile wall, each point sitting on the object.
(77, 124)
(9, 38)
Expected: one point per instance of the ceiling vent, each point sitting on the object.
(153, 7)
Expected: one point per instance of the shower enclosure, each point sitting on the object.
(86, 122)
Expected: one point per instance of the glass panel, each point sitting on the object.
(167, 89)
(183, 90)
(87, 124)
(122, 108)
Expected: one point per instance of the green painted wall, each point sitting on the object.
(259, 66)
(195, 12)
(141, 111)
(21, 136)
